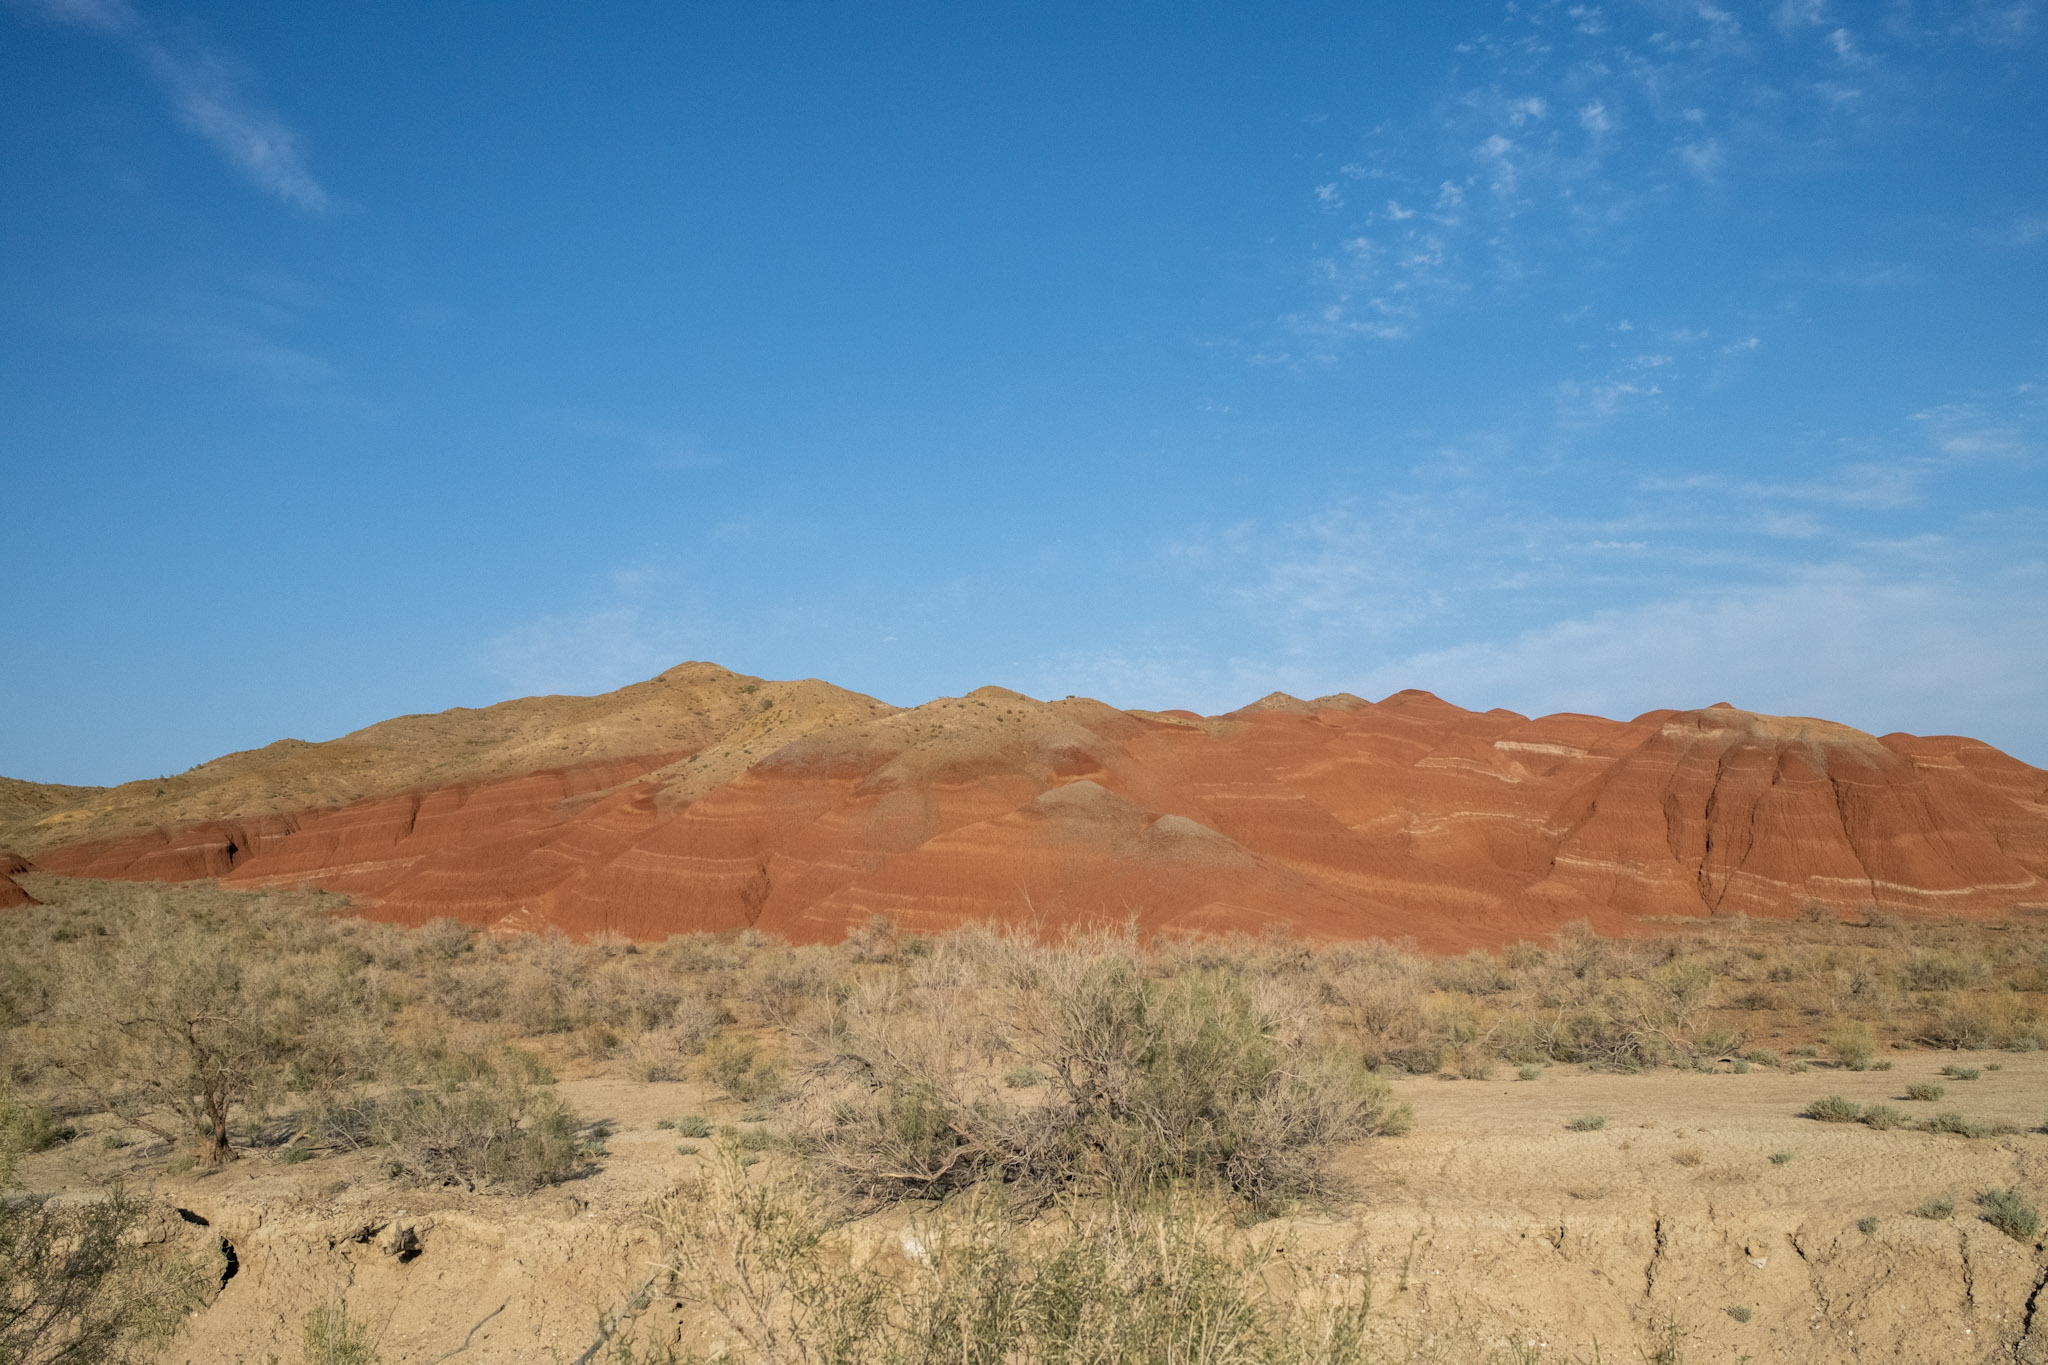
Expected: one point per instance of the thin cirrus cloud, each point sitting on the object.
(206, 92)
(1568, 126)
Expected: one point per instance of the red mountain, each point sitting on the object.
(703, 799)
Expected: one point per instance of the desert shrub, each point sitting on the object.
(783, 981)
(1169, 1283)
(1883, 1117)
(443, 938)
(1866, 1226)
(28, 1128)
(2010, 1213)
(1935, 1209)
(77, 1284)
(1780, 1158)
(1952, 1122)
(1961, 1073)
(1926, 1091)
(1851, 1042)
(1834, 1109)
(874, 940)
(1938, 971)
(187, 1020)
(1590, 1123)
(474, 989)
(735, 1064)
(1979, 1020)
(663, 1053)
(502, 1130)
(1204, 1078)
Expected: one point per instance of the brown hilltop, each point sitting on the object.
(707, 800)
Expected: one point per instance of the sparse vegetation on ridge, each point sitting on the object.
(1092, 1076)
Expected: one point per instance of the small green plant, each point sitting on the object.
(665, 1124)
(1925, 1090)
(1883, 1117)
(1590, 1123)
(1741, 1067)
(332, 1337)
(2010, 1213)
(1952, 1122)
(294, 1154)
(686, 1149)
(1740, 1312)
(1961, 1073)
(1780, 1158)
(1866, 1226)
(1023, 1078)
(1834, 1109)
(1852, 1043)
(753, 1140)
(1798, 1068)
(692, 1125)
(733, 1062)
(1528, 1073)
(1936, 1209)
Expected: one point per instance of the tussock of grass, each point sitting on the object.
(2010, 1213)
(1834, 1109)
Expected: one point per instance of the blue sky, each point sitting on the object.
(366, 358)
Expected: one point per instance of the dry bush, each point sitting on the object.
(1170, 1282)
(735, 1063)
(79, 1284)
(1147, 1082)
(783, 982)
(663, 1052)
(500, 1127)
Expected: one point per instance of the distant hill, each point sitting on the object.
(704, 799)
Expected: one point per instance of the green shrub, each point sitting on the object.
(498, 1131)
(1851, 1043)
(734, 1063)
(2010, 1213)
(692, 1126)
(1936, 1209)
(1590, 1123)
(1528, 1073)
(1961, 1073)
(1866, 1226)
(1741, 1312)
(1952, 1122)
(1834, 1109)
(1883, 1117)
(1780, 1158)
(1925, 1090)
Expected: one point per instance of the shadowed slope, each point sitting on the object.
(703, 800)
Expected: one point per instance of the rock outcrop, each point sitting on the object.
(705, 800)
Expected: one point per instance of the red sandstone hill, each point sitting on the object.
(706, 800)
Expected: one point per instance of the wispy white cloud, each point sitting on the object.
(595, 651)
(207, 92)
(1563, 127)
(1838, 641)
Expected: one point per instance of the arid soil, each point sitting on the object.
(704, 800)
(1489, 1223)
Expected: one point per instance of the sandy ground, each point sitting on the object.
(1490, 1222)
